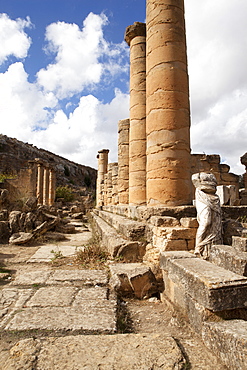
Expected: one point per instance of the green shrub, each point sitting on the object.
(5, 176)
(64, 192)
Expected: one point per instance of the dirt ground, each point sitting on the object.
(138, 316)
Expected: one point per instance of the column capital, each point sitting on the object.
(103, 151)
(136, 29)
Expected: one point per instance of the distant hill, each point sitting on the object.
(15, 154)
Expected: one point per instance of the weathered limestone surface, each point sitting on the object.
(135, 36)
(209, 285)
(102, 169)
(229, 258)
(227, 194)
(239, 243)
(109, 183)
(132, 230)
(97, 351)
(79, 304)
(133, 279)
(168, 112)
(229, 340)
(123, 161)
(114, 183)
(116, 245)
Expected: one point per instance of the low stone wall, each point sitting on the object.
(206, 294)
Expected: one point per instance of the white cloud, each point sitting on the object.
(13, 40)
(90, 127)
(217, 44)
(78, 62)
(35, 113)
(22, 105)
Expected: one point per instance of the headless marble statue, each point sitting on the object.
(208, 209)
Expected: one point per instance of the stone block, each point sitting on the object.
(133, 278)
(239, 243)
(164, 244)
(229, 258)
(175, 232)
(227, 339)
(224, 194)
(212, 286)
(164, 221)
(166, 257)
(189, 222)
(197, 314)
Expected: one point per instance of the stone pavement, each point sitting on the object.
(59, 300)
(67, 318)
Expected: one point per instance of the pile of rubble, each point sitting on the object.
(33, 221)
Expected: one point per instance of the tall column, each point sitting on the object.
(135, 36)
(123, 161)
(105, 190)
(40, 183)
(168, 111)
(102, 169)
(115, 183)
(46, 186)
(52, 187)
(109, 183)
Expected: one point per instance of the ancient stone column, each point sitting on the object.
(105, 189)
(115, 183)
(168, 111)
(52, 186)
(46, 186)
(109, 183)
(102, 169)
(135, 36)
(40, 183)
(123, 161)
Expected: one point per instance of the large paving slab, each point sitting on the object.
(108, 352)
(61, 277)
(47, 253)
(61, 300)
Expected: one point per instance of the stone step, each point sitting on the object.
(130, 229)
(117, 246)
(229, 340)
(229, 258)
(211, 286)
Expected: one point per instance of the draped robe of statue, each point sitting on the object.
(208, 209)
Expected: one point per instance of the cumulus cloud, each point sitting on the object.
(90, 127)
(80, 56)
(13, 40)
(217, 58)
(23, 106)
(36, 112)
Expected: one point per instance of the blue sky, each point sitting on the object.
(64, 75)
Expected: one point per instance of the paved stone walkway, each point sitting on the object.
(67, 318)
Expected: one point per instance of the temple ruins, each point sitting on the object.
(150, 215)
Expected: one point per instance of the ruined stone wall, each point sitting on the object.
(211, 163)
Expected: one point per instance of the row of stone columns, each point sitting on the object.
(154, 145)
(46, 184)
